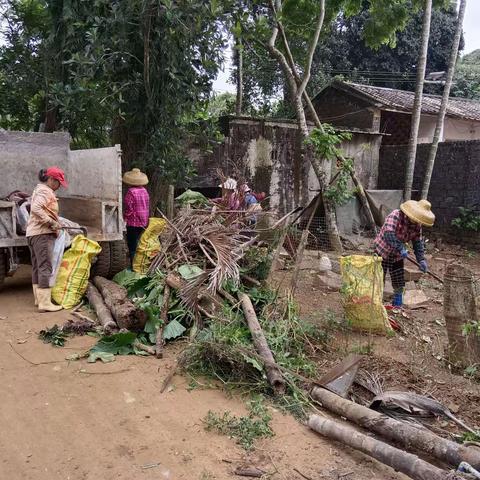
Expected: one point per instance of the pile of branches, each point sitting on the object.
(212, 240)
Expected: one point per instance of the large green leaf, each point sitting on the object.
(189, 272)
(173, 329)
(105, 357)
(116, 344)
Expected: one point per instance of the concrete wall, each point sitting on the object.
(455, 179)
(461, 130)
(267, 154)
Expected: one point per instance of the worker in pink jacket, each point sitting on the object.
(136, 208)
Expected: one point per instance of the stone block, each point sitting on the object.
(412, 272)
(327, 281)
(415, 299)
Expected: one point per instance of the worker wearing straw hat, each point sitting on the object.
(400, 227)
(136, 208)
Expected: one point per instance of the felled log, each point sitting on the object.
(159, 341)
(399, 460)
(123, 310)
(274, 375)
(103, 313)
(404, 434)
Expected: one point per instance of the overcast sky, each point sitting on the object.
(471, 30)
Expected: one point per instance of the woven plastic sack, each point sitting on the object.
(149, 245)
(72, 278)
(362, 293)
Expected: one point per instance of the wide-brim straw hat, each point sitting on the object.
(135, 178)
(419, 212)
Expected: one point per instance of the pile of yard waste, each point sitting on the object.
(206, 287)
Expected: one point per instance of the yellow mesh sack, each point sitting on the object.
(72, 278)
(362, 293)
(149, 245)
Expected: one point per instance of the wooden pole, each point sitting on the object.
(404, 434)
(170, 202)
(399, 460)
(274, 375)
(103, 313)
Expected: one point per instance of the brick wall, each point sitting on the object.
(455, 179)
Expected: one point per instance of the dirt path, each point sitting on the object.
(80, 421)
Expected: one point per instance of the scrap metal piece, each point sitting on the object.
(341, 377)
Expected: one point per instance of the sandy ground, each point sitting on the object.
(79, 421)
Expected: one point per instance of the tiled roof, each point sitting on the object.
(402, 100)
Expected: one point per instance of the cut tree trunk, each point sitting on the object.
(459, 309)
(103, 313)
(274, 375)
(123, 310)
(399, 460)
(443, 106)
(238, 57)
(417, 103)
(404, 434)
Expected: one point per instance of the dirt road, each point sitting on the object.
(79, 421)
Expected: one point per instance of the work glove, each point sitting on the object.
(423, 266)
(404, 252)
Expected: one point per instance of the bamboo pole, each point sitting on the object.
(399, 460)
(406, 435)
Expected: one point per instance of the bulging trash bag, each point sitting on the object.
(149, 245)
(362, 293)
(74, 272)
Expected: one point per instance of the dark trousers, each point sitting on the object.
(133, 237)
(397, 273)
(41, 251)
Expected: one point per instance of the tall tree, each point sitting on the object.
(417, 104)
(443, 106)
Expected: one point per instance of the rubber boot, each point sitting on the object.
(397, 300)
(35, 287)
(45, 304)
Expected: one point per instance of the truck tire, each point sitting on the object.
(3, 268)
(101, 267)
(111, 260)
(118, 257)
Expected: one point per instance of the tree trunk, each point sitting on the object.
(123, 310)
(103, 313)
(459, 309)
(406, 435)
(239, 74)
(399, 460)
(443, 106)
(274, 375)
(417, 104)
(302, 245)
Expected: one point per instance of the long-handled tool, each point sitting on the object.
(435, 276)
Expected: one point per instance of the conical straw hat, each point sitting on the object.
(135, 178)
(419, 212)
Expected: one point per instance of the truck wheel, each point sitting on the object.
(118, 257)
(111, 260)
(3, 268)
(101, 267)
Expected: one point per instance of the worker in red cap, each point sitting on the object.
(42, 229)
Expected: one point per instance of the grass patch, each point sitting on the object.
(245, 429)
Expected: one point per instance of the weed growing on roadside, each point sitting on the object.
(245, 429)
(366, 349)
(53, 335)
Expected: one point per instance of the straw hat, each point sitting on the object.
(135, 178)
(419, 212)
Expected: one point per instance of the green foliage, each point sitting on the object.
(224, 350)
(257, 262)
(326, 143)
(467, 220)
(53, 335)
(116, 344)
(245, 429)
(471, 437)
(467, 76)
(340, 192)
(173, 329)
(473, 327)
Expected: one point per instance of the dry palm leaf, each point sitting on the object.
(414, 404)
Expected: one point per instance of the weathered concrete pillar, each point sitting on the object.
(461, 319)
